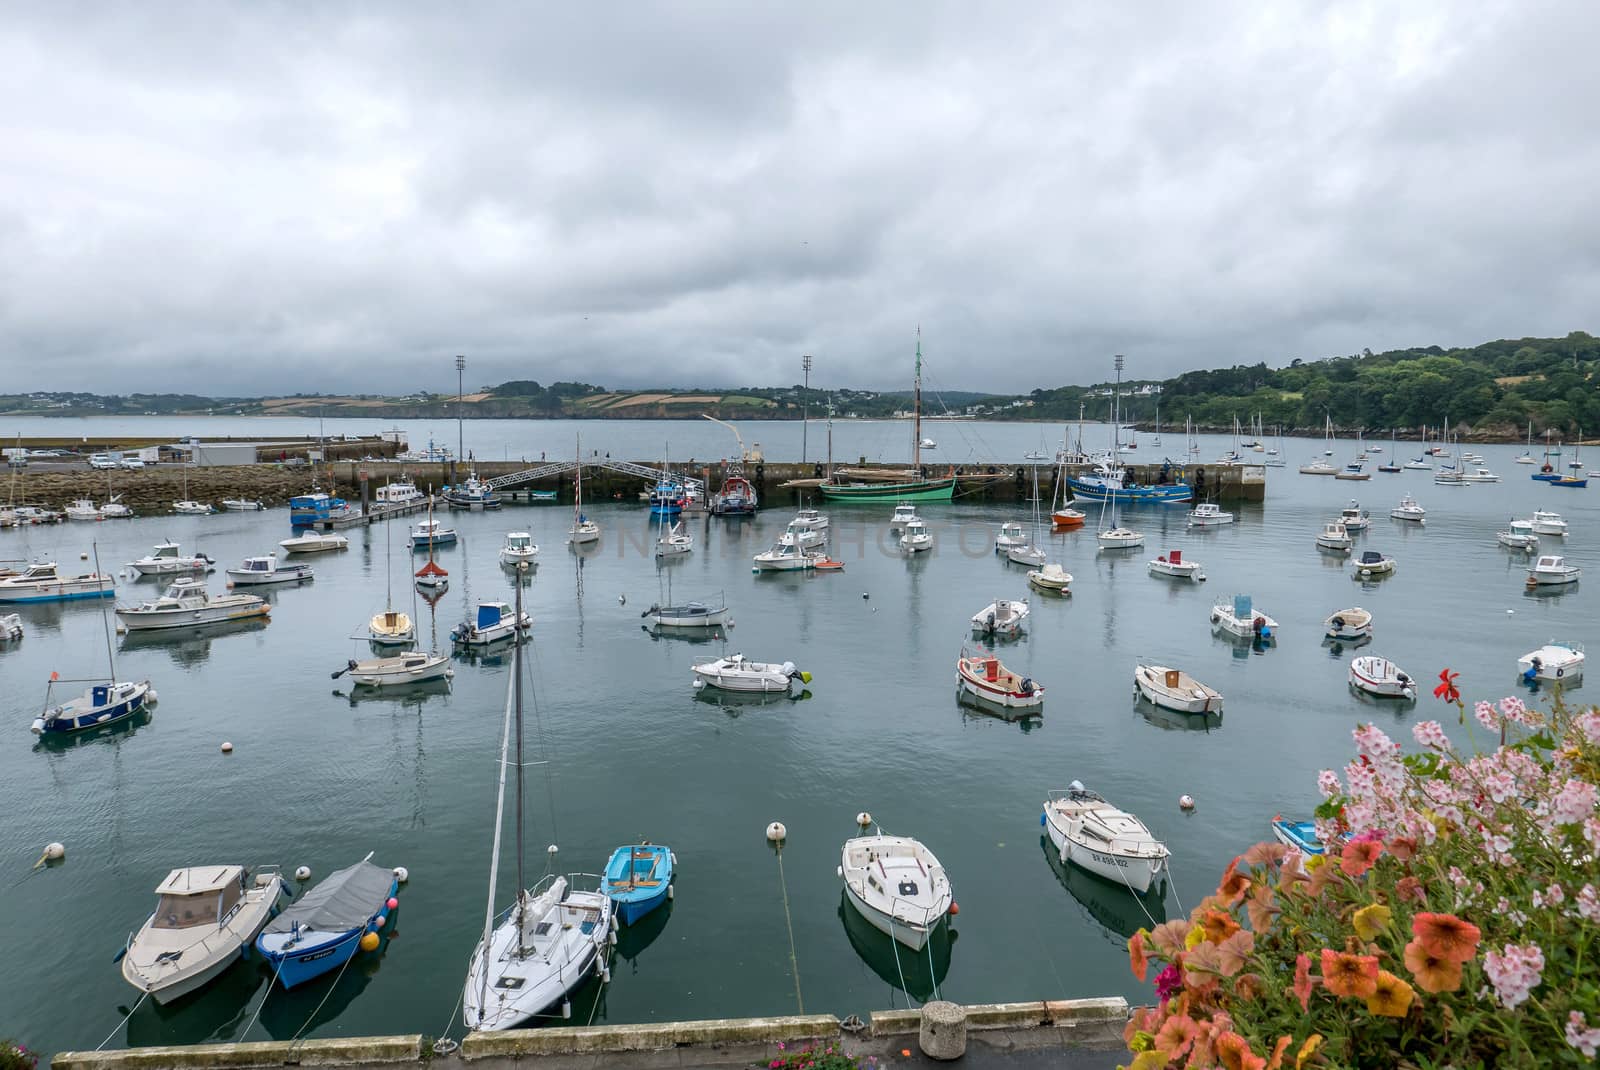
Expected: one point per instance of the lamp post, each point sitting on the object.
(461, 366)
(805, 405)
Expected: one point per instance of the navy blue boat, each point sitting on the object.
(638, 879)
(102, 704)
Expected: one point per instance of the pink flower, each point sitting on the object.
(1497, 847)
(1554, 895)
(1580, 1036)
(1169, 982)
(1500, 786)
(1515, 973)
(1591, 832)
(1328, 783)
(1430, 734)
(1514, 709)
(1588, 725)
(1486, 716)
(1574, 802)
(1589, 903)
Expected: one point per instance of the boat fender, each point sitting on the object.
(1042, 821)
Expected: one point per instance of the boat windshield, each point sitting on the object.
(187, 911)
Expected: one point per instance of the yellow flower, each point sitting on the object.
(1149, 1060)
(1315, 862)
(1307, 1050)
(1393, 997)
(1197, 936)
(1371, 920)
(1141, 1041)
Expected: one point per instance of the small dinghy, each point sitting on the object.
(1301, 835)
(495, 621)
(187, 604)
(1174, 689)
(260, 571)
(1208, 515)
(1001, 619)
(1242, 620)
(1052, 579)
(736, 673)
(1408, 509)
(1067, 518)
(985, 679)
(314, 542)
(1090, 833)
(519, 547)
(637, 880)
(391, 628)
(1373, 563)
(1172, 564)
(1552, 570)
(1518, 535)
(687, 615)
(323, 929)
(1381, 677)
(205, 917)
(1554, 662)
(411, 667)
(1334, 536)
(897, 885)
(165, 560)
(1352, 623)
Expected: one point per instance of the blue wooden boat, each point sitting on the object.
(1301, 835)
(638, 879)
(323, 929)
(1570, 481)
(311, 508)
(102, 704)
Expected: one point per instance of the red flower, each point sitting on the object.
(1447, 687)
(1302, 981)
(1136, 956)
(1446, 936)
(1234, 885)
(1357, 858)
(1349, 975)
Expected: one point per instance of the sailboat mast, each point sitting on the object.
(829, 476)
(516, 690)
(494, 856)
(105, 621)
(1116, 410)
(916, 411)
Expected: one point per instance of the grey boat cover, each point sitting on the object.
(344, 901)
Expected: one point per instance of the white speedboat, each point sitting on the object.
(260, 571)
(1355, 518)
(46, 583)
(983, 677)
(1208, 515)
(1119, 538)
(1242, 619)
(1381, 677)
(1003, 618)
(1094, 835)
(1352, 623)
(1548, 523)
(187, 604)
(1173, 564)
(1052, 578)
(429, 533)
(1552, 570)
(189, 507)
(1011, 534)
(1518, 535)
(809, 520)
(82, 509)
(897, 885)
(736, 673)
(915, 538)
(1553, 663)
(1174, 689)
(495, 622)
(687, 615)
(1318, 468)
(1479, 475)
(1373, 563)
(165, 560)
(249, 505)
(1335, 536)
(411, 667)
(1408, 509)
(314, 542)
(519, 548)
(674, 541)
(785, 557)
(904, 513)
(205, 917)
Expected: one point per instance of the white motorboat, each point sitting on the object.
(1334, 536)
(495, 622)
(1174, 689)
(1354, 470)
(260, 571)
(519, 547)
(429, 533)
(113, 509)
(1554, 663)
(1552, 570)
(1003, 618)
(187, 604)
(983, 677)
(1011, 534)
(1318, 468)
(1352, 623)
(1479, 475)
(1208, 515)
(809, 520)
(1373, 563)
(674, 541)
(398, 492)
(32, 514)
(1518, 535)
(687, 615)
(204, 919)
(245, 505)
(1052, 578)
(1355, 518)
(1381, 677)
(1172, 564)
(904, 513)
(806, 538)
(785, 556)
(1408, 509)
(1094, 835)
(165, 560)
(411, 667)
(314, 542)
(82, 509)
(189, 507)
(1242, 619)
(736, 673)
(1548, 523)
(907, 904)
(915, 538)
(10, 627)
(46, 583)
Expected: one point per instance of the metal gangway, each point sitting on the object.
(558, 468)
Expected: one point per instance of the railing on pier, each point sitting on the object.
(557, 468)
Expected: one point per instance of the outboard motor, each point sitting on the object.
(1533, 670)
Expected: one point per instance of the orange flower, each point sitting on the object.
(1349, 975)
(1446, 936)
(1410, 888)
(1357, 858)
(1176, 1036)
(1261, 907)
(1233, 951)
(1234, 885)
(1393, 997)
(1136, 959)
(1433, 973)
(1307, 1050)
(1404, 847)
(1168, 937)
(1370, 920)
(1248, 986)
(1268, 853)
(1219, 925)
(1277, 1052)
(1233, 1053)
(1302, 981)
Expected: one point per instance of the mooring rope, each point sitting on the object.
(124, 1022)
(254, 1017)
(1137, 898)
(296, 1038)
(894, 946)
(788, 921)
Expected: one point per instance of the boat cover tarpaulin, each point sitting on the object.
(344, 901)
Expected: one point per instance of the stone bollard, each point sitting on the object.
(944, 1030)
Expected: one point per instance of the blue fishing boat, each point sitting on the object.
(324, 928)
(310, 508)
(638, 879)
(1301, 835)
(666, 499)
(1110, 482)
(474, 495)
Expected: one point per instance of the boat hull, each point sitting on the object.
(1372, 676)
(926, 490)
(1179, 702)
(292, 574)
(1089, 490)
(1137, 873)
(69, 717)
(308, 963)
(56, 592)
(420, 671)
(161, 620)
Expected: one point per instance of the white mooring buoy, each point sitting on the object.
(227, 748)
(402, 874)
(776, 833)
(863, 819)
(1186, 802)
(55, 852)
(302, 873)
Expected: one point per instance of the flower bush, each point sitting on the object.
(1452, 922)
(14, 1056)
(813, 1057)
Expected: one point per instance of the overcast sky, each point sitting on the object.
(253, 197)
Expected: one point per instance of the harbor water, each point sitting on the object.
(631, 751)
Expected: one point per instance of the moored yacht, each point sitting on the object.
(1089, 832)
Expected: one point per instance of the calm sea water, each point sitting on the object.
(634, 752)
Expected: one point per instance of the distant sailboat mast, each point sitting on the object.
(916, 412)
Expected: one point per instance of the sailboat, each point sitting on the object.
(536, 951)
(1062, 515)
(391, 627)
(914, 489)
(189, 507)
(1527, 454)
(1110, 479)
(583, 529)
(1116, 537)
(1031, 552)
(103, 703)
(432, 576)
(1393, 463)
(1157, 440)
(1317, 466)
(1549, 471)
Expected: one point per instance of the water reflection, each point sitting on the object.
(287, 1011)
(733, 703)
(218, 1011)
(1338, 647)
(189, 647)
(916, 973)
(109, 734)
(1162, 717)
(975, 708)
(633, 939)
(1543, 591)
(413, 696)
(1116, 907)
(683, 635)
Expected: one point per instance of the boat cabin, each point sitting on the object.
(201, 895)
(491, 614)
(519, 541)
(1371, 557)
